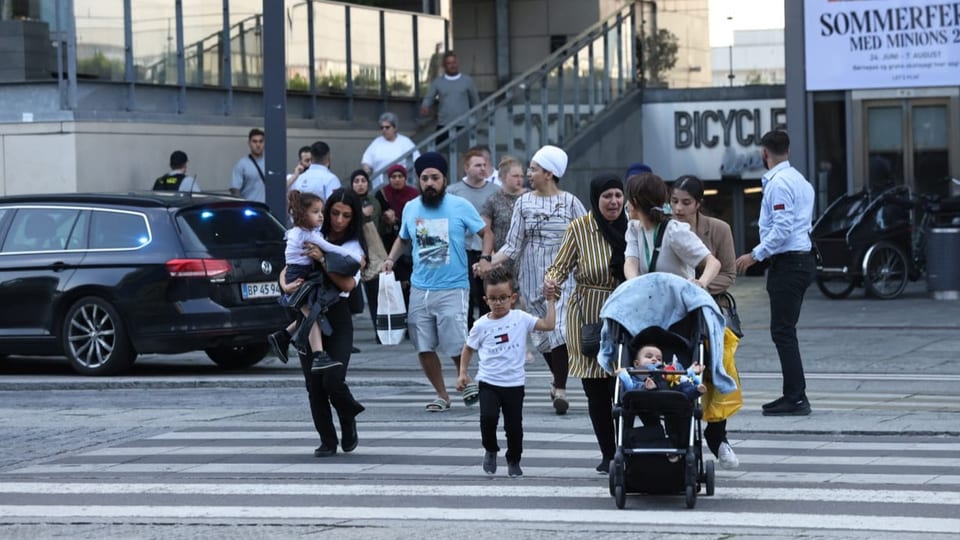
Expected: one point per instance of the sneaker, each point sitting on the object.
(774, 403)
(348, 434)
(513, 469)
(726, 458)
(280, 342)
(490, 463)
(791, 407)
(322, 361)
(604, 466)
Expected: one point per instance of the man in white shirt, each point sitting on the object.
(386, 150)
(304, 158)
(318, 179)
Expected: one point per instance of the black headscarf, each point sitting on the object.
(614, 232)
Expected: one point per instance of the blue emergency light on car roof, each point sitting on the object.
(206, 214)
(249, 212)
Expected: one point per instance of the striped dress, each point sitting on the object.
(536, 232)
(587, 254)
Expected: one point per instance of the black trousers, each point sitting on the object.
(788, 278)
(372, 289)
(476, 290)
(599, 394)
(509, 400)
(715, 433)
(329, 387)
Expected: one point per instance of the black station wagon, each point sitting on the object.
(100, 278)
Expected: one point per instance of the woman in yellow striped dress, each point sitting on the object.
(592, 248)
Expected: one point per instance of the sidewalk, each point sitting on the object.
(855, 335)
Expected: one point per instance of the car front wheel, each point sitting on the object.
(238, 356)
(94, 339)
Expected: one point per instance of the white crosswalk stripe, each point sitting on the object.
(429, 469)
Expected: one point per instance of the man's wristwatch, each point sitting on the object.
(487, 258)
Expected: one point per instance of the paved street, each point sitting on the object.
(177, 449)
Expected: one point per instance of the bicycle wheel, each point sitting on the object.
(835, 287)
(885, 271)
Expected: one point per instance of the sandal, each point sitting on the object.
(438, 405)
(471, 394)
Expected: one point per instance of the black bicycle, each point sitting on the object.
(877, 242)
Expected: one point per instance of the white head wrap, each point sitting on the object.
(552, 159)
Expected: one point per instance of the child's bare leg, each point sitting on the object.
(316, 338)
(292, 327)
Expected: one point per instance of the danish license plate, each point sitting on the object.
(265, 289)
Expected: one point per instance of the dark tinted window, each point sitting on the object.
(228, 226)
(118, 230)
(40, 229)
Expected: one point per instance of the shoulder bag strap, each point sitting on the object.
(257, 165)
(657, 242)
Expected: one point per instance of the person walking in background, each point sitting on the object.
(500, 338)
(248, 180)
(318, 179)
(376, 252)
(592, 250)
(786, 213)
(393, 199)
(540, 218)
(497, 211)
(454, 92)
(686, 201)
(436, 223)
(386, 149)
(303, 163)
(475, 188)
(177, 179)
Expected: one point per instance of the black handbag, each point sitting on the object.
(590, 339)
(728, 307)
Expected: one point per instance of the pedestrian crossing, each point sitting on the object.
(420, 466)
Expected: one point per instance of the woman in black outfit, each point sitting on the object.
(342, 225)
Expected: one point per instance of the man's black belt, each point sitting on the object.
(807, 252)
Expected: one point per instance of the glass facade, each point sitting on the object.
(102, 46)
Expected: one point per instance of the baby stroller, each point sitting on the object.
(664, 455)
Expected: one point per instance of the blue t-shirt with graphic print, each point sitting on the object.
(437, 234)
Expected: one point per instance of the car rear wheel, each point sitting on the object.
(238, 356)
(94, 339)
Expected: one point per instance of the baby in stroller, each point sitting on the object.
(649, 362)
(664, 455)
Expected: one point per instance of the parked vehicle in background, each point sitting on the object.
(101, 278)
(876, 242)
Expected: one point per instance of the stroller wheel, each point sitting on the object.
(711, 477)
(620, 496)
(691, 494)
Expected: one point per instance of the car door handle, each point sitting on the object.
(58, 266)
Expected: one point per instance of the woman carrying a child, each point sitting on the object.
(592, 249)
(342, 226)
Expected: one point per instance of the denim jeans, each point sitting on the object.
(788, 278)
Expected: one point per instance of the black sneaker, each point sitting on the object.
(325, 451)
(774, 403)
(322, 361)
(792, 407)
(514, 470)
(280, 342)
(490, 463)
(604, 466)
(348, 435)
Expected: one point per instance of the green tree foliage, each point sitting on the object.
(659, 55)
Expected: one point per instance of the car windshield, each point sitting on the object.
(226, 226)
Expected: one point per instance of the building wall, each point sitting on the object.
(758, 58)
(111, 156)
(688, 20)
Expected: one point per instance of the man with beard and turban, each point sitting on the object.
(436, 224)
(593, 250)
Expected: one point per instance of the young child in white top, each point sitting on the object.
(306, 213)
(500, 339)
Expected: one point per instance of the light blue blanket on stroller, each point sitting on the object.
(662, 299)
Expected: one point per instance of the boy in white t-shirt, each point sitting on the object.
(500, 338)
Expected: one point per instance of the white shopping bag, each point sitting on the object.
(391, 311)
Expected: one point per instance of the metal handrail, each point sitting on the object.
(626, 16)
